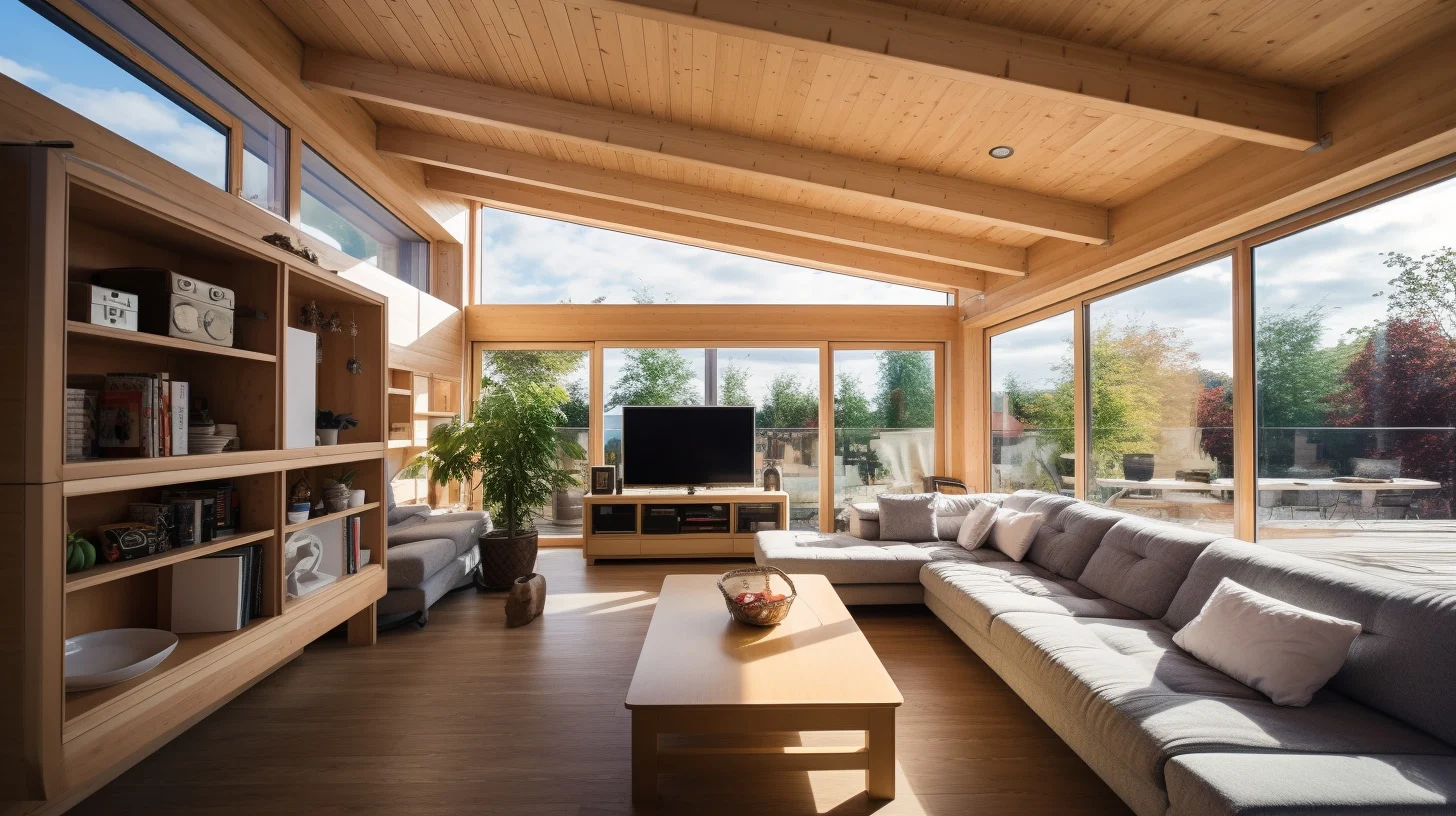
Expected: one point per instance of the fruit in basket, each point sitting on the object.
(80, 553)
(746, 597)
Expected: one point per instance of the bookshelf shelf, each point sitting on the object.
(352, 511)
(436, 413)
(103, 475)
(400, 392)
(102, 573)
(76, 328)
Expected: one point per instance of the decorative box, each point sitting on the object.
(101, 306)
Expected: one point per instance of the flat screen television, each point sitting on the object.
(688, 446)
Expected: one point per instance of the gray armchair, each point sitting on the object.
(430, 554)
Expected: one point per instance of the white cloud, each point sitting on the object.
(527, 259)
(24, 74)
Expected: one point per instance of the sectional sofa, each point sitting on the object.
(1082, 630)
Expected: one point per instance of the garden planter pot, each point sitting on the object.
(328, 436)
(504, 558)
(1137, 467)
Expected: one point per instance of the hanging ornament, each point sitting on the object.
(313, 319)
(354, 365)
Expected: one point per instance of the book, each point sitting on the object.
(119, 420)
(208, 593)
(158, 515)
(351, 545)
(164, 414)
(179, 417)
(185, 513)
(206, 514)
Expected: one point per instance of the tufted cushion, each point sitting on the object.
(864, 520)
(1144, 700)
(844, 559)
(1141, 563)
(1403, 662)
(1070, 533)
(980, 592)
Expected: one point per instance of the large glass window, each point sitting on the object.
(884, 425)
(571, 370)
(42, 49)
(783, 385)
(337, 212)
(1033, 407)
(265, 141)
(1161, 398)
(529, 259)
(1355, 348)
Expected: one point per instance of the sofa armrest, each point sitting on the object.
(1279, 784)
(864, 521)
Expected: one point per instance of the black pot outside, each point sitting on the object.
(1137, 467)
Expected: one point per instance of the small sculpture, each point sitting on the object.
(302, 558)
(301, 491)
(285, 243)
(527, 600)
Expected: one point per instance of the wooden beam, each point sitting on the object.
(856, 179)
(701, 232)
(725, 325)
(686, 199)
(1389, 122)
(1099, 78)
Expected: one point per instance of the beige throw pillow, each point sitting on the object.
(1014, 531)
(977, 526)
(1285, 652)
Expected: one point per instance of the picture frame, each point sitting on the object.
(603, 479)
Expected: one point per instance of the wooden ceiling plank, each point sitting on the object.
(1040, 66)
(659, 87)
(517, 30)
(500, 107)
(739, 240)
(584, 33)
(638, 190)
(558, 23)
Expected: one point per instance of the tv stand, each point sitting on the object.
(679, 523)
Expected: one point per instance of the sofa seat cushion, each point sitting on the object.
(844, 559)
(1300, 784)
(980, 592)
(410, 564)
(1146, 700)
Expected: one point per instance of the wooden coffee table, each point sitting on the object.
(701, 672)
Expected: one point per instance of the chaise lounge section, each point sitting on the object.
(1082, 629)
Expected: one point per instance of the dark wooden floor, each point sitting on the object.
(466, 716)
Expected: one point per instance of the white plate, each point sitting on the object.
(111, 656)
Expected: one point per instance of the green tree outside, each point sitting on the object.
(906, 389)
(654, 376)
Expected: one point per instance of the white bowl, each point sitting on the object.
(297, 516)
(111, 656)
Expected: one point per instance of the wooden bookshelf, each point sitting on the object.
(327, 517)
(63, 221)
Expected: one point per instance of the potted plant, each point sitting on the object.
(346, 480)
(510, 449)
(328, 424)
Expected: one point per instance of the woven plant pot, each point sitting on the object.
(504, 558)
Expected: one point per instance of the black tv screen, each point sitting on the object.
(687, 446)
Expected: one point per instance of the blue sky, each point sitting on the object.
(35, 52)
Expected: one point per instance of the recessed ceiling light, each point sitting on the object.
(1001, 152)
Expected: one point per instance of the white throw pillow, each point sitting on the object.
(977, 526)
(1014, 531)
(1285, 652)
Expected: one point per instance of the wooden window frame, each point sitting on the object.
(1240, 250)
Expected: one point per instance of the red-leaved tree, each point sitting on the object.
(1216, 418)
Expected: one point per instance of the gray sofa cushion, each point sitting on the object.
(1021, 500)
(1146, 700)
(463, 533)
(844, 559)
(410, 564)
(1141, 563)
(907, 517)
(1309, 784)
(864, 521)
(1401, 664)
(1070, 532)
(980, 592)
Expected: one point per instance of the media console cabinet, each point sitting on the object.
(679, 524)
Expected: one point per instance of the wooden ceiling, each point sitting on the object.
(843, 134)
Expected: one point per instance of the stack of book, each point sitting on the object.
(80, 424)
(142, 415)
(191, 514)
(220, 592)
(352, 539)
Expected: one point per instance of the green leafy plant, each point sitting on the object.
(346, 478)
(509, 448)
(328, 420)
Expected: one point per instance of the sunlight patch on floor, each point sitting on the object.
(593, 603)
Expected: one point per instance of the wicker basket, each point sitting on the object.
(756, 581)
